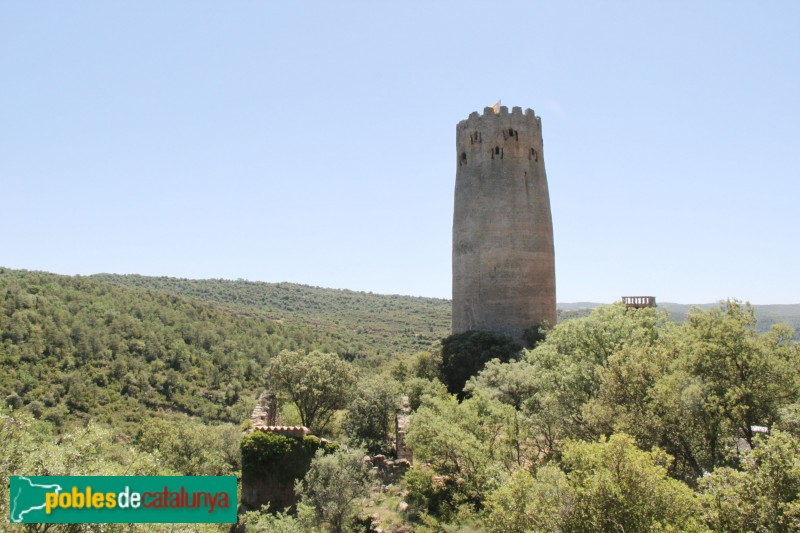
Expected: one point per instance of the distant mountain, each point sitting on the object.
(577, 305)
(767, 315)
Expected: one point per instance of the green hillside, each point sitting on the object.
(116, 348)
(369, 324)
(134, 375)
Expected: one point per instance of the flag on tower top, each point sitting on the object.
(496, 107)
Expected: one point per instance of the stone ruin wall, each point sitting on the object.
(263, 489)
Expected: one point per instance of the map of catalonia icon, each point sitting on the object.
(28, 497)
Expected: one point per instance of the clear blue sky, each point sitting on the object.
(316, 143)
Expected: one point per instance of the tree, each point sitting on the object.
(370, 414)
(529, 503)
(418, 388)
(511, 383)
(471, 445)
(192, 448)
(553, 383)
(605, 486)
(644, 393)
(317, 383)
(427, 364)
(763, 497)
(699, 389)
(27, 448)
(332, 487)
(615, 486)
(465, 354)
(265, 522)
(745, 377)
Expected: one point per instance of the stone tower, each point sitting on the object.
(503, 260)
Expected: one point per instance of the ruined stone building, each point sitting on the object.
(401, 420)
(268, 479)
(503, 258)
(265, 412)
(275, 457)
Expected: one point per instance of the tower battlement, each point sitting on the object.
(502, 111)
(498, 136)
(503, 257)
(490, 120)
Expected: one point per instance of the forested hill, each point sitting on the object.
(382, 322)
(111, 346)
(369, 324)
(115, 351)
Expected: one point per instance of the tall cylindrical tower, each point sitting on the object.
(503, 259)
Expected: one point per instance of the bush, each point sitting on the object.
(371, 414)
(285, 458)
(465, 354)
(332, 487)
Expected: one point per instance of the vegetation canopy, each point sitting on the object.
(618, 420)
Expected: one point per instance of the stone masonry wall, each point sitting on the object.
(503, 253)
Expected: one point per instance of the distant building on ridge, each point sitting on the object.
(639, 302)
